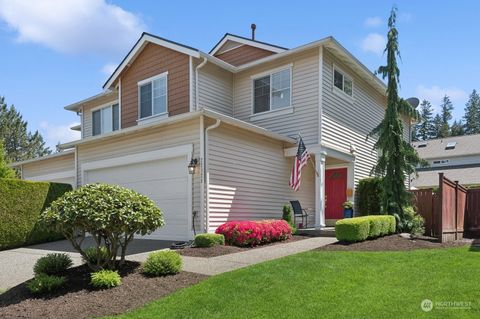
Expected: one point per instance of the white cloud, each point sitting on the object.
(53, 134)
(108, 68)
(374, 43)
(72, 26)
(435, 94)
(373, 21)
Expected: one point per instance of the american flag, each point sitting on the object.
(299, 162)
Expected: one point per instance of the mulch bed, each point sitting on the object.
(79, 300)
(218, 250)
(394, 243)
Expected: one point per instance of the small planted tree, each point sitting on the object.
(111, 214)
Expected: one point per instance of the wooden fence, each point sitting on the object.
(472, 213)
(443, 211)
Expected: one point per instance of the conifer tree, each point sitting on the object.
(472, 114)
(397, 158)
(425, 129)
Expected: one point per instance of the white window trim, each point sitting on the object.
(342, 93)
(103, 106)
(271, 112)
(152, 117)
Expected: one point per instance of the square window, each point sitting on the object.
(106, 119)
(272, 91)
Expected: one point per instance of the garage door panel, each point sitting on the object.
(164, 181)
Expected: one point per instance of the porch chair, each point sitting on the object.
(298, 211)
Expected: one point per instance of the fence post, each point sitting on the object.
(440, 208)
(456, 210)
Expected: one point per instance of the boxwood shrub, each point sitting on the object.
(209, 240)
(361, 228)
(21, 203)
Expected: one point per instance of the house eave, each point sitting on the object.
(46, 157)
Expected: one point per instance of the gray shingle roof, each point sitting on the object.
(466, 145)
(465, 176)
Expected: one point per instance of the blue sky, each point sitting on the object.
(56, 52)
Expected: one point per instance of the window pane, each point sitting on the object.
(96, 123)
(160, 96)
(107, 122)
(281, 89)
(115, 115)
(338, 79)
(261, 93)
(348, 86)
(146, 100)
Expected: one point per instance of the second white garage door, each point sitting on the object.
(165, 181)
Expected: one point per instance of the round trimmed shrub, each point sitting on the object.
(52, 264)
(104, 279)
(43, 283)
(209, 240)
(162, 263)
(110, 213)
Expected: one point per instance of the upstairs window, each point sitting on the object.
(105, 120)
(272, 92)
(342, 82)
(152, 95)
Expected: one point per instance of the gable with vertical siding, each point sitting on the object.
(152, 61)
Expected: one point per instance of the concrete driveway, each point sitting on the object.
(16, 265)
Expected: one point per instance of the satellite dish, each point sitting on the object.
(413, 101)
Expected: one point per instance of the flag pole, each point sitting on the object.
(310, 158)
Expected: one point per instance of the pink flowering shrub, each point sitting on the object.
(253, 233)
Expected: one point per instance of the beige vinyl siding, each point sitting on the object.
(305, 89)
(87, 113)
(54, 165)
(249, 177)
(347, 120)
(216, 89)
(144, 141)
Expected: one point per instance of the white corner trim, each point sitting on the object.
(49, 177)
(272, 113)
(320, 92)
(183, 150)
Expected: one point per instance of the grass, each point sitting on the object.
(333, 285)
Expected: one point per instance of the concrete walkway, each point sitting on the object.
(16, 264)
(217, 265)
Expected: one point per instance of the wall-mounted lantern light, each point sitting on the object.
(192, 165)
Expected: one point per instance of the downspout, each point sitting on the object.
(206, 171)
(196, 81)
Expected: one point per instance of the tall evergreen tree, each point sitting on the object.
(5, 170)
(446, 109)
(472, 114)
(397, 157)
(425, 128)
(437, 126)
(20, 144)
(457, 128)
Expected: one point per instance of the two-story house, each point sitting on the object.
(458, 157)
(233, 115)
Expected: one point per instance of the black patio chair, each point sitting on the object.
(298, 211)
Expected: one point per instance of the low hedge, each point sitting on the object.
(209, 240)
(253, 233)
(361, 228)
(21, 203)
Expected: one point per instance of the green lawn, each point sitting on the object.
(333, 285)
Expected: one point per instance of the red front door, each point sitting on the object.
(335, 192)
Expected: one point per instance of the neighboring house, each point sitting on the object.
(458, 157)
(236, 112)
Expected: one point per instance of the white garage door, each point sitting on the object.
(164, 181)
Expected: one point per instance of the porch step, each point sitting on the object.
(314, 232)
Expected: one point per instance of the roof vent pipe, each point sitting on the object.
(253, 26)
